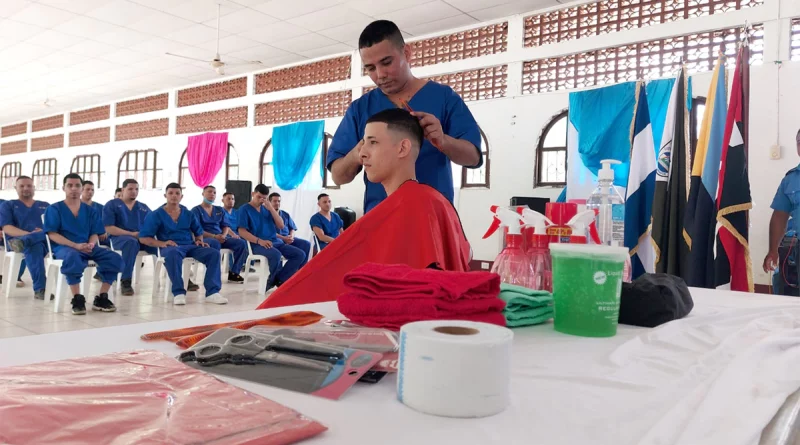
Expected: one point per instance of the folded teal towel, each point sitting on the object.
(525, 307)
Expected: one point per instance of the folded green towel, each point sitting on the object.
(525, 307)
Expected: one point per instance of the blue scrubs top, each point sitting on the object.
(330, 228)
(259, 223)
(59, 218)
(213, 223)
(233, 219)
(160, 225)
(288, 223)
(116, 213)
(17, 214)
(433, 166)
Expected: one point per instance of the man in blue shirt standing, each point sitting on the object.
(217, 232)
(259, 224)
(74, 228)
(785, 204)
(327, 225)
(286, 234)
(21, 220)
(451, 133)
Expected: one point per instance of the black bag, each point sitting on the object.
(654, 299)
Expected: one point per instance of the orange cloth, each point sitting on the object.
(416, 225)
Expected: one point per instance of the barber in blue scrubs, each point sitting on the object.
(21, 220)
(74, 228)
(180, 235)
(217, 232)
(123, 218)
(451, 133)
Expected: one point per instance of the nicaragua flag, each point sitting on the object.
(701, 220)
(640, 191)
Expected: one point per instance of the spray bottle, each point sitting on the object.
(512, 264)
(539, 250)
(580, 223)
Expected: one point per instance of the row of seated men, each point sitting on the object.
(77, 227)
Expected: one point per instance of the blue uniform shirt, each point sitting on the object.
(160, 225)
(330, 228)
(433, 166)
(787, 198)
(116, 213)
(233, 219)
(17, 214)
(59, 218)
(288, 223)
(259, 223)
(213, 223)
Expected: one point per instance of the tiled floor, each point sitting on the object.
(22, 315)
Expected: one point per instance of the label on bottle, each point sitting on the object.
(618, 224)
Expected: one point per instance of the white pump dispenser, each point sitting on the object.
(610, 206)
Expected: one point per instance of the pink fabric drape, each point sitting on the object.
(206, 154)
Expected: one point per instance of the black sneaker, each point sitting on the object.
(102, 303)
(78, 305)
(127, 289)
(39, 294)
(192, 287)
(235, 278)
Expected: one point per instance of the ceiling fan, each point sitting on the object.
(216, 63)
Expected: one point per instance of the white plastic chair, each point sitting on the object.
(135, 281)
(54, 277)
(225, 254)
(261, 267)
(161, 267)
(12, 263)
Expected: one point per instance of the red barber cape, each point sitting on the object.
(416, 225)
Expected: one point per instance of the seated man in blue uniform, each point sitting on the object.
(327, 225)
(259, 224)
(286, 234)
(180, 235)
(451, 133)
(21, 220)
(217, 232)
(74, 228)
(87, 197)
(228, 201)
(123, 219)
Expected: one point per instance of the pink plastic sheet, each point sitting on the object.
(137, 397)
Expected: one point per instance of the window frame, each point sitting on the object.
(51, 170)
(261, 162)
(540, 149)
(486, 165)
(16, 171)
(227, 164)
(694, 128)
(126, 156)
(92, 164)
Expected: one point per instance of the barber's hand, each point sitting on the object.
(771, 262)
(169, 243)
(432, 127)
(356, 152)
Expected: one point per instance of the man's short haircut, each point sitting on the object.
(72, 176)
(274, 194)
(20, 178)
(129, 181)
(208, 187)
(88, 183)
(378, 31)
(322, 195)
(400, 120)
(261, 188)
(119, 189)
(226, 194)
(174, 185)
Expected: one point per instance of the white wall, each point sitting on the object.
(512, 125)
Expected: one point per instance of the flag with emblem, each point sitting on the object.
(701, 216)
(733, 266)
(672, 185)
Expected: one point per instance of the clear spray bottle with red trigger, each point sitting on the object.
(512, 264)
(539, 250)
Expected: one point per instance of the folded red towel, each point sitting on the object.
(355, 305)
(395, 323)
(402, 281)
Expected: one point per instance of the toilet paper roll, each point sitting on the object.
(454, 368)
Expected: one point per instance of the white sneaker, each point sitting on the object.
(216, 299)
(179, 300)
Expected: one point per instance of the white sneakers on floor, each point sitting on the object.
(179, 300)
(216, 299)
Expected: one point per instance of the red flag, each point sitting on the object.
(733, 265)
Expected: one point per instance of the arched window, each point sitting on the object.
(9, 173)
(141, 165)
(231, 166)
(266, 172)
(45, 174)
(88, 166)
(551, 153)
(478, 177)
(698, 108)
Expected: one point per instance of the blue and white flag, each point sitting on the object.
(640, 191)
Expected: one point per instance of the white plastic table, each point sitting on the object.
(565, 389)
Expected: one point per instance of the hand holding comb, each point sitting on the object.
(405, 105)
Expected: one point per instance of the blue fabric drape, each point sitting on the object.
(296, 146)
